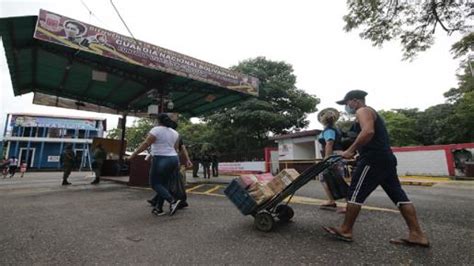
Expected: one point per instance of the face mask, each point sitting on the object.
(350, 110)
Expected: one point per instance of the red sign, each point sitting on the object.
(65, 31)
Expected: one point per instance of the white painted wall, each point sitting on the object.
(431, 163)
(318, 150)
(303, 151)
(418, 162)
(242, 166)
(297, 149)
(285, 149)
(274, 162)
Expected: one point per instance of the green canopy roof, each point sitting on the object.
(51, 69)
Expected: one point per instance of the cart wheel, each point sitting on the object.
(264, 221)
(284, 213)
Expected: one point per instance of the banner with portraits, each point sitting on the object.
(55, 28)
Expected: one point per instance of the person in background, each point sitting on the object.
(184, 162)
(99, 158)
(178, 190)
(163, 140)
(23, 167)
(68, 158)
(5, 165)
(13, 165)
(195, 158)
(206, 161)
(215, 164)
(330, 139)
(376, 165)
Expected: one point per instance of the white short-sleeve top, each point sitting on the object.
(165, 140)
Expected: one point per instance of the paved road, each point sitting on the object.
(44, 223)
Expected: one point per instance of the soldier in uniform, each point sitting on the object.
(99, 158)
(206, 161)
(195, 158)
(67, 160)
(215, 163)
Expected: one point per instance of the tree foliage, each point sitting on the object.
(462, 99)
(414, 23)
(400, 127)
(465, 85)
(135, 134)
(437, 125)
(280, 107)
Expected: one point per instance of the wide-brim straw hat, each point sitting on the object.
(328, 112)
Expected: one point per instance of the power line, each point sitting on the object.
(88, 9)
(123, 21)
(93, 14)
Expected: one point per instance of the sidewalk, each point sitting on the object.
(422, 180)
(226, 179)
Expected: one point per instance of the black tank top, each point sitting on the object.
(379, 145)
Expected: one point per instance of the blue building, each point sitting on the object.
(39, 140)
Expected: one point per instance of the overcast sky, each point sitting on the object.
(306, 34)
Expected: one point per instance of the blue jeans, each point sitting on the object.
(163, 168)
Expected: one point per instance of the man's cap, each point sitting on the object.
(354, 94)
(326, 113)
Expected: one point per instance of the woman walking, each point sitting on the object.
(330, 139)
(164, 167)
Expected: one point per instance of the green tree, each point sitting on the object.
(196, 134)
(280, 107)
(465, 85)
(192, 134)
(462, 99)
(400, 127)
(436, 125)
(412, 22)
(345, 122)
(134, 134)
(465, 114)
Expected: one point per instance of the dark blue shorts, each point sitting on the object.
(370, 173)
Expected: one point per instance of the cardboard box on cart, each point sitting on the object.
(282, 180)
(260, 192)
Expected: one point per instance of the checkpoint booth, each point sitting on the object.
(71, 64)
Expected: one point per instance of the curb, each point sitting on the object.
(418, 183)
(225, 182)
(216, 182)
(193, 182)
(115, 180)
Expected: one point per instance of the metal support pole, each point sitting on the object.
(61, 150)
(161, 100)
(4, 135)
(28, 147)
(6, 126)
(7, 154)
(122, 140)
(43, 135)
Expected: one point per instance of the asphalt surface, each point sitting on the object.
(45, 223)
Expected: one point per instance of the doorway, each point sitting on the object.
(24, 153)
(82, 158)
